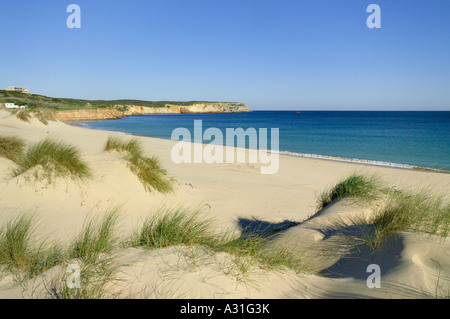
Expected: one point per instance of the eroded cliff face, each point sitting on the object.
(125, 110)
(82, 115)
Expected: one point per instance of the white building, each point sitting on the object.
(13, 106)
(21, 89)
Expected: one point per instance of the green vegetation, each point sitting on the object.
(355, 186)
(252, 247)
(179, 227)
(404, 211)
(35, 101)
(97, 237)
(147, 169)
(175, 227)
(23, 115)
(95, 248)
(132, 147)
(25, 257)
(11, 147)
(55, 158)
(18, 253)
(44, 116)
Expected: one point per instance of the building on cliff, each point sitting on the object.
(20, 89)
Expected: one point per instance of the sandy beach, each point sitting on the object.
(233, 195)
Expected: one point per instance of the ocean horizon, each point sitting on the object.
(405, 139)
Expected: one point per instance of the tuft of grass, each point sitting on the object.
(175, 227)
(97, 281)
(15, 242)
(93, 251)
(147, 169)
(56, 158)
(179, 227)
(151, 174)
(44, 116)
(420, 212)
(132, 147)
(23, 115)
(20, 254)
(406, 211)
(356, 185)
(25, 258)
(252, 246)
(11, 147)
(97, 237)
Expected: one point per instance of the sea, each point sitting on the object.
(405, 139)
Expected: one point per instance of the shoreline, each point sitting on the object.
(359, 161)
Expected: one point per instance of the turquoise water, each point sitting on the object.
(409, 138)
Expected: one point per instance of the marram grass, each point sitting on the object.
(23, 115)
(44, 116)
(23, 255)
(175, 227)
(19, 252)
(97, 237)
(355, 185)
(181, 227)
(147, 169)
(409, 212)
(419, 212)
(11, 147)
(55, 158)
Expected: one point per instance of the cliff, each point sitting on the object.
(82, 115)
(213, 107)
(119, 111)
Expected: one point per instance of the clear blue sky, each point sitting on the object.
(269, 54)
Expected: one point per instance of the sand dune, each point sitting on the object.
(412, 265)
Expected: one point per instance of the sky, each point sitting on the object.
(268, 54)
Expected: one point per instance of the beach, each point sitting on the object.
(233, 195)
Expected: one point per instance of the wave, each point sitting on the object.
(356, 160)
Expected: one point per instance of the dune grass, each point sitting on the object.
(253, 247)
(97, 237)
(55, 158)
(97, 281)
(410, 212)
(44, 116)
(23, 115)
(25, 257)
(19, 252)
(132, 147)
(93, 252)
(147, 169)
(404, 210)
(11, 147)
(175, 227)
(355, 185)
(181, 227)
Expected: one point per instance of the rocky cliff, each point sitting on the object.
(82, 115)
(119, 111)
(213, 107)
